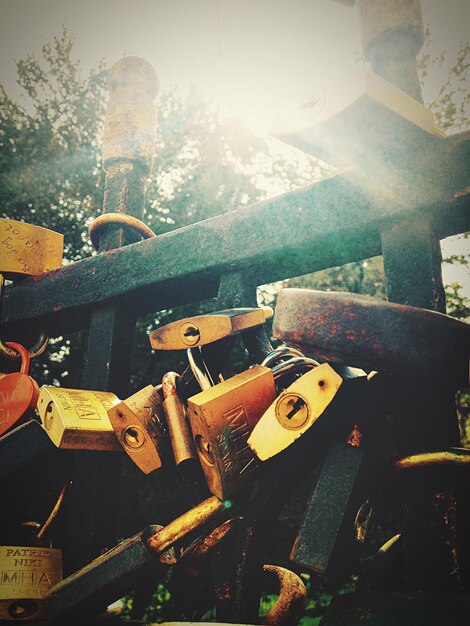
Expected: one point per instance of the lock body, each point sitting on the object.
(26, 576)
(200, 330)
(222, 419)
(294, 411)
(137, 423)
(78, 419)
(27, 250)
(18, 392)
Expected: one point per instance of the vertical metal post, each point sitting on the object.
(392, 33)
(128, 147)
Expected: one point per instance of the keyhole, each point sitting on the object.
(134, 437)
(21, 609)
(205, 449)
(297, 406)
(49, 416)
(292, 411)
(190, 334)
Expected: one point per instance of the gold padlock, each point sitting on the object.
(28, 250)
(26, 575)
(137, 423)
(294, 411)
(200, 330)
(78, 419)
(222, 419)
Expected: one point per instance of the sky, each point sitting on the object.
(257, 59)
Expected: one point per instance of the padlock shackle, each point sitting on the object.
(24, 355)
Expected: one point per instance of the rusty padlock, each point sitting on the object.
(18, 392)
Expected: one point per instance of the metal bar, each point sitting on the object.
(128, 146)
(329, 223)
(393, 35)
(411, 251)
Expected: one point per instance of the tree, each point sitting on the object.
(50, 160)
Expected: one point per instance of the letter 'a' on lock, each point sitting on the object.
(26, 575)
(137, 425)
(200, 330)
(294, 411)
(222, 419)
(28, 250)
(78, 419)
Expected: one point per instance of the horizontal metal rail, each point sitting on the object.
(328, 223)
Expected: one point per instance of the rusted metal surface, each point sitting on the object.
(88, 591)
(129, 138)
(326, 542)
(413, 251)
(364, 332)
(289, 607)
(329, 223)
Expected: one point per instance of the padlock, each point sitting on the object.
(27, 250)
(200, 330)
(28, 572)
(26, 576)
(78, 419)
(18, 392)
(222, 419)
(177, 421)
(137, 423)
(294, 411)
(364, 332)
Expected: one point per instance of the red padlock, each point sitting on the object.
(18, 392)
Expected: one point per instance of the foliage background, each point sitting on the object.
(51, 175)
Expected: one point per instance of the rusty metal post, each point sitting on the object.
(392, 35)
(128, 147)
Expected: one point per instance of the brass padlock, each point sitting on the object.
(200, 330)
(137, 423)
(294, 411)
(28, 250)
(78, 419)
(222, 419)
(26, 576)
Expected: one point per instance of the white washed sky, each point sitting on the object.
(257, 59)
